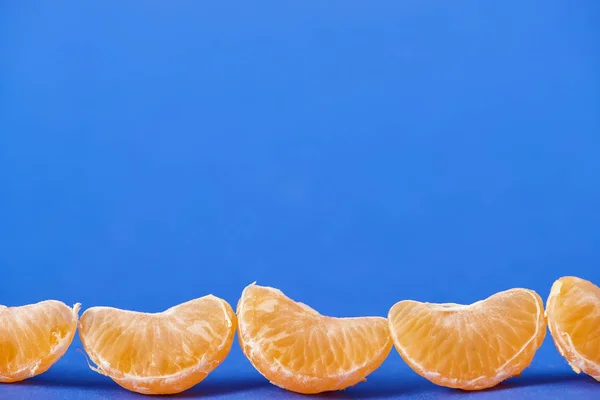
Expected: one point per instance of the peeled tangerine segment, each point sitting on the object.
(162, 353)
(573, 310)
(298, 349)
(473, 346)
(34, 337)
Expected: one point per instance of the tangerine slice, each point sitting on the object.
(162, 353)
(573, 310)
(298, 349)
(33, 337)
(470, 347)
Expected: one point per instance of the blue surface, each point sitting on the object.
(352, 154)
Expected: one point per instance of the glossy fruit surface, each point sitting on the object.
(162, 353)
(473, 346)
(298, 349)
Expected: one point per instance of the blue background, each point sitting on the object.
(351, 153)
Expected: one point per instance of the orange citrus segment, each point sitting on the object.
(34, 337)
(573, 310)
(298, 349)
(473, 346)
(162, 353)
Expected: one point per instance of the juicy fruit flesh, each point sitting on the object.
(298, 349)
(470, 347)
(161, 353)
(574, 319)
(33, 337)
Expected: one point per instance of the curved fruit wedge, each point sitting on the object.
(34, 337)
(473, 346)
(162, 353)
(573, 311)
(298, 349)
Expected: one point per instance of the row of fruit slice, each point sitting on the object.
(468, 347)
